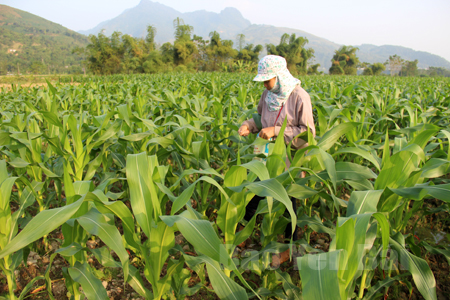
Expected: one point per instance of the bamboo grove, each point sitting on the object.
(153, 167)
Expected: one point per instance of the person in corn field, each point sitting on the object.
(283, 98)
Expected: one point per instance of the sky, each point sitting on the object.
(417, 24)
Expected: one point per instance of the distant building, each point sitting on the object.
(12, 50)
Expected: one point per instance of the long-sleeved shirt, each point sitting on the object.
(298, 110)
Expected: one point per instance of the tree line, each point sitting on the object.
(345, 62)
(189, 52)
(126, 54)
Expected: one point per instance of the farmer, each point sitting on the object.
(283, 98)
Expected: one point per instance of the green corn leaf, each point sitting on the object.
(435, 167)
(300, 191)
(330, 137)
(377, 290)
(95, 223)
(364, 154)
(352, 171)
(181, 201)
(28, 287)
(436, 250)
(103, 255)
(119, 209)
(422, 275)
(315, 224)
(418, 192)
(361, 202)
(292, 291)
(447, 134)
(319, 274)
(162, 239)
(224, 287)
(51, 118)
(270, 188)
(141, 198)
(228, 215)
(18, 163)
(136, 282)
(329, 166)
(42, 224)
(258, 168)
(92, 286)
(201, 235)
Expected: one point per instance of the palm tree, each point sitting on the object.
(294, 51)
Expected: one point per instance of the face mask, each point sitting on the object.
(276, 87)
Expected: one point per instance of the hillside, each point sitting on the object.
(372, 53)
(36, 44)
(230, 22)
(134, 22)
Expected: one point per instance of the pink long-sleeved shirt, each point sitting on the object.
(298, 110)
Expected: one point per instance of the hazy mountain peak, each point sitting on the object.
(230, 22)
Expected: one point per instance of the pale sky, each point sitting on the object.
(417, 24)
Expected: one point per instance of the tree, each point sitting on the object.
(344, 61)
(240, 38)
(37, 68)
(294, 51)
(250, 53)
(154, 63)
(373, 69)
(184, 49)
(438, 71)
(83, 54)
(377, 68)
(312, 70)
(182, 31)
(394, 64)
(219, 51)
(150, 37)
(409, 68)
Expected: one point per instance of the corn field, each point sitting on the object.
(145, 178)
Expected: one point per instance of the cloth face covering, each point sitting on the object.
(275, 66)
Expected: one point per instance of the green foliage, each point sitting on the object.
(30, 44)
(373, 69)
(344, 61)
(294, 51)
(394, 64)
(409, 68)
(312, 70)
(152, 165)
(219, 51)
(336, 69)
(438, 71)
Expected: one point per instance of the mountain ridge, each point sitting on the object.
(230, 22)
(32, 42)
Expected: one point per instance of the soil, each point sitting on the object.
(112, 278)
(7, 86)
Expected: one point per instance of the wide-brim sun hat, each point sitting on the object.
(269, 66)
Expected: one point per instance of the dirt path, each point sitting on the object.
(7, 86)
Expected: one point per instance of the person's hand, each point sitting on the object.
(267, 133)
(243, 131)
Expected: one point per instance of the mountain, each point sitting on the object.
(32, 42)
(134, 21)
(230, 22)
(372, 53)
